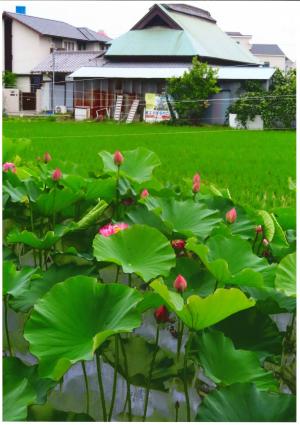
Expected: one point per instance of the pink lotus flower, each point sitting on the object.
(259, 229)
(118, 158)
(196, 178)
(180, 283)
(111, 229)
(161, 314)
(231, 216)
(9, 166)
(144, 193)
(47, 157)
(178, 243)
(56, 175)
(265, 242)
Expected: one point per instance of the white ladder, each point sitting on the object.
(118, 108)
(132, 111)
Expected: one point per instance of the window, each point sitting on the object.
(81, 46)
(69, 45)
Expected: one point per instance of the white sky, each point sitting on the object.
(274, 22)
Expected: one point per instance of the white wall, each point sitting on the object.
(11, 100)
(28, 48)
(275, 61)
(23, 83)
(243, 41)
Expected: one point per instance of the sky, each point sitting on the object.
(271, 22)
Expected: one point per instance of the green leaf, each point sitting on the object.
(21, 388)
(100, 188)
(57, 200)
(285, 279)
(279, 233)
(235, 366)
(245, 403)
(231, 260)
(138, 164)
(74, 318)
(269, 227)
(13, 280)
(184, 217)
(286, 217)
(139, 249)
(199, 313)
(92, 216)
(47, 413)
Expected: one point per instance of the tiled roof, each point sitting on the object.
(56, 28)
(233, 33)
(66, 62)
(266, 49)
(189, 10)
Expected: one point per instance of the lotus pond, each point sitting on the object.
(128, 299)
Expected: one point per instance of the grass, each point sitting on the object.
(254, 165)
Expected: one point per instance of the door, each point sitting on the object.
(28, 101)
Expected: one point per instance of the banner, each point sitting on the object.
(156, 109)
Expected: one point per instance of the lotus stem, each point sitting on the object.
(185, 381)
(130, 280)
(86, 387)
(101, 388)
(117, 274)
(6, 324)
(150, 373)
(176, 411)
(117, 192)
(54, 215)
(128, 398)
(180, 334)
(32, 228)
(114, 390)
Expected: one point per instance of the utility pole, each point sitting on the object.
(53, 77)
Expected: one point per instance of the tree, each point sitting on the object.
(9, 79)
(192, 90)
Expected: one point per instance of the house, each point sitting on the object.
(268, 54)
(28, 40)
(160, 45)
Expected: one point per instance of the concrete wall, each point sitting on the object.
(243, 41)
(275, 61)
(28, 48)
(23, 83)
(11, 100)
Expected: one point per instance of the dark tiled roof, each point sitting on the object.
(233, 33)
(69, 61)
(189, 10)
(93, 35)
(54, 28)
(266, 49)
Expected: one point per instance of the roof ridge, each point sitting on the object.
(37, 17)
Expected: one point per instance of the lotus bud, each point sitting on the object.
(196, 187)
(180, 283)
(47, 157)
(231, 216)
(144, 193)
(196, 178)
(127, 201)
(161, 314)
(259, 229)
(56, 175)
(178, 243)
(9, 166)
(265, 242)
(118, 158)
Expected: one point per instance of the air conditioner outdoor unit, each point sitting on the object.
(60, 109)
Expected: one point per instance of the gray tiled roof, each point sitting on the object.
(66, 62)
(266, 49)
(56, 28)
(189, 10)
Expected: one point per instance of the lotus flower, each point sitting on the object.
(231, 216)
(178, 243)
(196, 187)
(144, 193)
(196, 178)
(9, 166)
(47, 157)
(56, 175)
(118, 158)
(259, 229)
(161, 314)
(265, 242)
(180, 283)
(111, 229)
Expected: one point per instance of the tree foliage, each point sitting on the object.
(9, 79)
(192, 89)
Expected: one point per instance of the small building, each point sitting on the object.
(28, 40)
(161, 45)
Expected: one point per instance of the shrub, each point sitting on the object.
(9, 79)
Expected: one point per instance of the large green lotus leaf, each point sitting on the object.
(184, 217)
(245, 403)
(100, 188)
(32, 240)
(47, 413)
(141, 215)
(139, 249)
(138, 164)
(74, 318)
(13, 280)
(199, 313)
(272, 300)
(285, 279)
(21, 387)
(139, 355)
(33, 290)
(286, 217)
(236, 366)
(252, 330)
(16, 193)
(231, 260)
(57, 200)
